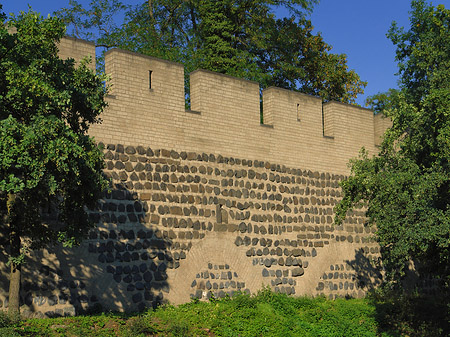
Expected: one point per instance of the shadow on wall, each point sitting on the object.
(367, 270)
(121, 266)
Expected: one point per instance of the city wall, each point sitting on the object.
(208, 201)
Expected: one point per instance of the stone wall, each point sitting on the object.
(208, 201)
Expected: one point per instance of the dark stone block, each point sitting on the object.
(119, 148)
(148, 276)
(297, 272)
(289, 261)
(139, 167)
(130, 150)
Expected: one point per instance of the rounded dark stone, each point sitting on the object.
(137, 298)
(130, 150)
(297, 272)
(119, 246)
(139, 167)
(140, 150)
(148, 276)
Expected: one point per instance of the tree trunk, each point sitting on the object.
(14, 288)
(14, 279)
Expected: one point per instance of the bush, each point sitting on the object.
(8, 332)
(139, 326)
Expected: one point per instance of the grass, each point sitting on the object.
(263, 314)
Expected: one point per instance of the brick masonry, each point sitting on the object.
(209, 202)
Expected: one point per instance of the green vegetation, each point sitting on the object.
(264, 314)
(407, 186)
(238, 38)
(50, 170)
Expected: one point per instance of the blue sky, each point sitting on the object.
(356, 28)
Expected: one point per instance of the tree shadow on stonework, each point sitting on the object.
(412, 315)
(121, 266)
(367, 271)
(399, 313)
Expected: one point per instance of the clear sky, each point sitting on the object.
(356, 28)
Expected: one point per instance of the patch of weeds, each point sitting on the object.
(7, 320)
(8, 332)
(243, 301)
(140, 326)
(178, 329)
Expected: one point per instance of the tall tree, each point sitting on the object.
(238, 38)
(50, 170)
(407, 186)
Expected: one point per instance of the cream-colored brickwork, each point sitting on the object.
(77, 49)
(225, 117)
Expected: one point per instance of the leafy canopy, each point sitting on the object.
(238, 38)
(50, 170)
(407, 186)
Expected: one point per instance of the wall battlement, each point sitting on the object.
(147, 102)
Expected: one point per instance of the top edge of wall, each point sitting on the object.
(76, 39)
(143, 56)
(347, 104)
(223, 75)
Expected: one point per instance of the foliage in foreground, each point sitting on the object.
(407, 186)
(50, 169)
(264, 314)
